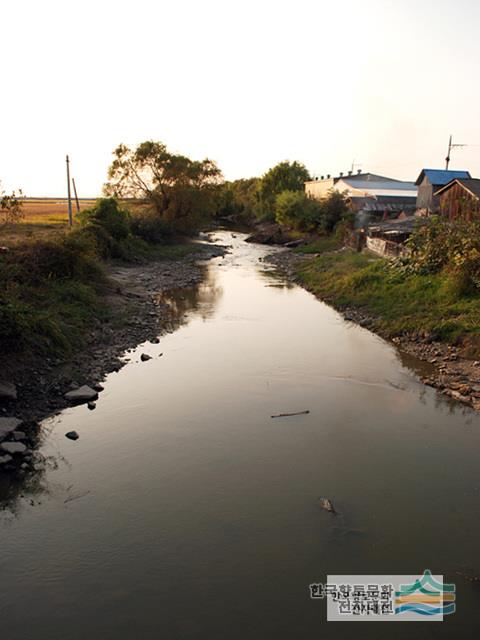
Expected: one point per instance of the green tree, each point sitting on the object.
(285, 176)
(334, 210)
(181, 191)
(238, 199)
(295, 209)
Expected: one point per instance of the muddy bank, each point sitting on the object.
(449, 371)
(137, 314)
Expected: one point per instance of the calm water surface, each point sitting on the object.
(185, 511)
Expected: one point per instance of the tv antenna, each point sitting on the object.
(355, 164)
(450, 147)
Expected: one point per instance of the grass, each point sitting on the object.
(400, 304)
(52, 280)
(323, 244)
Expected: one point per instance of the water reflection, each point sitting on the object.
(31, 483)
(201, 298)
(185, 511)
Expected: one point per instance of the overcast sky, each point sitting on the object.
(246, 83)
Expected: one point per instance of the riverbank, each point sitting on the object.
(416, 314)
(132, 312)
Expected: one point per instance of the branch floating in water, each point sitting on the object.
(296, 413)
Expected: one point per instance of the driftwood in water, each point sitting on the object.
(286, 415)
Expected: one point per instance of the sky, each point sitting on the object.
(378, 83)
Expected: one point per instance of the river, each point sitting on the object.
(185, 511)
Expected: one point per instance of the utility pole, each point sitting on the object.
(70, 216)
(76, 197)
(450, 147)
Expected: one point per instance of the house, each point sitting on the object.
(460, 198)
(429, 182)
(362, 182)
(370, 195)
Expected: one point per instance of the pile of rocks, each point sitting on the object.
(17, 440)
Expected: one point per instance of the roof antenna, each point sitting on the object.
(450, 147)
(355, 164)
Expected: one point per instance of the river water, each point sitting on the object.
(185, 511)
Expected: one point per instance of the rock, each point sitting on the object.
(98, 387)
(7, 425)
(83, 394)
(19, 435)
(13, 447)
(91, 406)
(144, 357)
(5, 459)
(155, 340)
(8, 391)
(72, 435)
(456, 395)
(326, 504)
(269, 233)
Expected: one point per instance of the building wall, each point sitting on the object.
(458, 203)
(319, 189)
(425, 195)
(386, 248)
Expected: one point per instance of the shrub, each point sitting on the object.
(149, 226)
(295, 209)
(109, 216)
(68, 257)
(450, 246)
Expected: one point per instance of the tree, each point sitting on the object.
(238, 199)
(285, 176)
(180, 190)
(295, 209)
(10, 206)
(334, 210)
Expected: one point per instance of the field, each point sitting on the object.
(42, 217)
(51, 211)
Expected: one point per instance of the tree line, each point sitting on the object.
(183, 194)
(178, 195)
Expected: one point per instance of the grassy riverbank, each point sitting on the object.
(398, 303)
(55, 290)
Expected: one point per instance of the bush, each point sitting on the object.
(107, 214)
(149, 226)
(453, 247)
(68, 257)
(295, 209)
(334, 211)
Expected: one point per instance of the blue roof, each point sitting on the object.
(441, 176)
